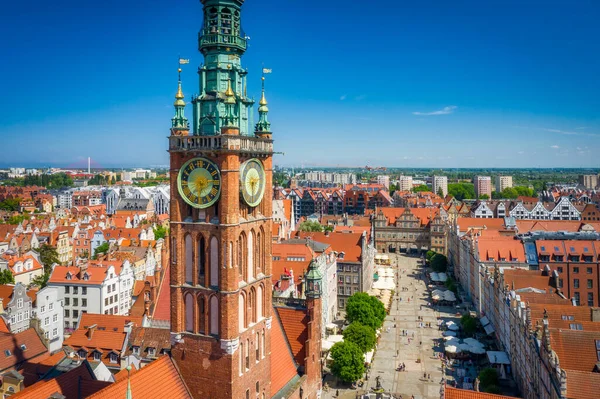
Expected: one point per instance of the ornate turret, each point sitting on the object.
(313, 281)
(179, 123)
(263, 127)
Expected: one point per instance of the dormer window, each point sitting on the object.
(151, 352)
(69, 276)
(136, 350)
(114, 357)
(86, 276)
(97, 356)
(82, 353)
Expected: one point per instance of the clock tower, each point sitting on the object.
(220, 232)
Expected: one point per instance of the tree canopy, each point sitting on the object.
(484, 197)
(56, 180)
(348, 361)
(429, 255)
(160, 232)
(363, 336)
(439, 263)
(468, 324)
(366, 309)
(6, 277)
(462, 191)
(488, 380)
(48, 257)
(101, 249)
(420, 188)
(514, 192)
(310, 225)
(10, 204)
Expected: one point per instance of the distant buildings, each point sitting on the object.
(589, 181)
(483, 186)
(439, 183)
(384, 180)
(337, 179)
(405, 183)
(503, 182)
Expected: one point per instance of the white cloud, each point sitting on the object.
(342, 97)
(444, 111)
(360, 97)
(554, 146)
(581, 128)
(521, 152)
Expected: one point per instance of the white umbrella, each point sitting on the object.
(449, 337)
(449, 334)
(464, 347)
(452, 349)
(473, 342)
(477, 350)
(452, 325)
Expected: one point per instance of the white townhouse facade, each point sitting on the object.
(49, 311)
(102, 289)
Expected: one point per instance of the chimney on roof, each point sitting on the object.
(90, 331)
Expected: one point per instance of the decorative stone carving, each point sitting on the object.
(229, 346)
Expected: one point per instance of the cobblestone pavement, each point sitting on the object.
(423, 369)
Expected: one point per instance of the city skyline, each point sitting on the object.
(440, 72)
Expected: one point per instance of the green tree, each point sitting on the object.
(468, 324)
(48, 257)
(439, 263)
(429, 255)
(524, 191)
(363, 336)
(160, 232)
(6, 277)
(484, 197)
(440, 192)
(10, 204)
(328, 228)
(41, 281)
(462, 191)
(420, 188)
(17, 219)
(309, 225)
(366, 309)
(101, 249)
(348, 361)
(488, 379)
(451, 285)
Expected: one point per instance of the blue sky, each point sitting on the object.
(387, 83)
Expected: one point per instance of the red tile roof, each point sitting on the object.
(501, 247)
(283, 368)
(576, 350)
(582, 385)
(520, 278)
(491, 224)
(294, 322)
(349, 243)
(159, 379)
(455, 393)
(113, 323)
(67, 384)
(162, 307)
(29, 338)
(96, 274)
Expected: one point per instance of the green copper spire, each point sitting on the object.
(128, 392)
(222, 42)
(179, 121)
(263, 127)
(313, 281)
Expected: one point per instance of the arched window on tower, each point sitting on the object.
(241, 358)
(230, 255)
(251, 315)
(214, 316)
(242, 312)
(247, 354)
(257, 346)
(214, 262)
(201, 315)
(263, 347)
(259, 303)
(258, 253)
(189, 259)
(189, 313)
(201, 260)
(250, 256)
(225, 21)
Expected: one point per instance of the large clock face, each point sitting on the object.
(252, 181)
(199, 182)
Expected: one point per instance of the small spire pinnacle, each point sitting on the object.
(229, 93)
(263, 100)
(128, 395)
(179, 95)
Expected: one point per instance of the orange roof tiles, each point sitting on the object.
(96, 274)
(576, 350)
(582, 385)
(159, 379)
(294, 322)
(162, 307)
(492, 224)
(107, 340)
(547, 225)
(519, 279)
(349, 243)
(501, 247)
(283, 368)
(455, 393)
(115, 323)
(68, 384)
(29, 338)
